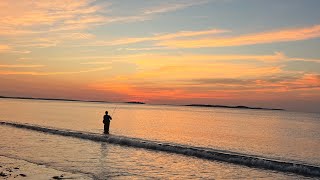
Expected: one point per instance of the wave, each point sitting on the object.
(204, 153)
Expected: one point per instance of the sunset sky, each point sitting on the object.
(262, 53)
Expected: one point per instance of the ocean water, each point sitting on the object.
(157, 141)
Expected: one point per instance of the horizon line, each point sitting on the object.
(141, 103)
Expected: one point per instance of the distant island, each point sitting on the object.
(137, 102)
(49, 99)
(61, 99)
(233, 107)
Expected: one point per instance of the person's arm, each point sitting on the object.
(110, 117)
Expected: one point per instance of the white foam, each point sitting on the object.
(205, 153)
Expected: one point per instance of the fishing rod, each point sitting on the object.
(114, 110)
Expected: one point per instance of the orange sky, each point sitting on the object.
(172, 51)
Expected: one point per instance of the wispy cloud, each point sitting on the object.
(9, 49)
(24, 59)
(67, 21)
(52, 16)
(47, 23)
(271, 84)
(50, 23)
(51, 41)
(214, 38)
(21, 65)
(96, 63)
(142, 49)
(172, 7)
(177, 75)
(158, 37)
(158, 59)
(304, 59)
(78, 36)
(194, 70)
(4, 48)
(264, 87)
(283, 35)
(28, 14)
(34, 73)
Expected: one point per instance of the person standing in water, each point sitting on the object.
(106, 122)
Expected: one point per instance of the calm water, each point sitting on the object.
(280, 135)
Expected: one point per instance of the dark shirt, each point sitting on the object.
(106, 118)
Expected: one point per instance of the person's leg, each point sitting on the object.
(106, 127)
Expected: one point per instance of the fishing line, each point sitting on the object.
(114, 110)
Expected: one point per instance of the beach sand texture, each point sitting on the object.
(19, 169)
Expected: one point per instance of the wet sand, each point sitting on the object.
(19, 169)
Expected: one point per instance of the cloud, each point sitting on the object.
(178, 74)
(4, 48)
(34, 73)
(304, 59)
(51, 23)
(142, 49)
(159, 37)
(147, 61)
(196, 39)
(22, 52)
(274, 83)
(24, 17)
(24, 59)
(77, 36)
(149, 91)
(177, 77)
(172, 7)
(47, 23)
(17, 13)
(263, 88)
(156, 60)
(282, 35)
(12, 31)
(21, 65)
(96, 63)
(8, 49)
(197, 70)
(51, 41)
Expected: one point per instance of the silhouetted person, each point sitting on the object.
(106, 122)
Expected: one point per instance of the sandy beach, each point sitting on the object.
(19, 169)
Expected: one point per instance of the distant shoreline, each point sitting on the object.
(234, 107)
(136, 102)
(50, 99)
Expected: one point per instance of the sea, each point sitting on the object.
(161, 141)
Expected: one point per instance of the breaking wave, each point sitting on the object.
(205, 153)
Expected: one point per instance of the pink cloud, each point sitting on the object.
(282, 35)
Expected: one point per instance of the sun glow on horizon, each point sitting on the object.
(168, 51)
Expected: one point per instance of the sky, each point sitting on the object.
(261, 53)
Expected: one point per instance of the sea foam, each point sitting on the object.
(199, 152)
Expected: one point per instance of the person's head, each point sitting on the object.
(106, 112)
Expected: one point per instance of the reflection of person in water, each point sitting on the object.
(106, 122)
(103, 168)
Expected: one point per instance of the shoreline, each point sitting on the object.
(11, 168)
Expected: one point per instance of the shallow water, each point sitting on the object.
(289, 136)
(103, 160)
